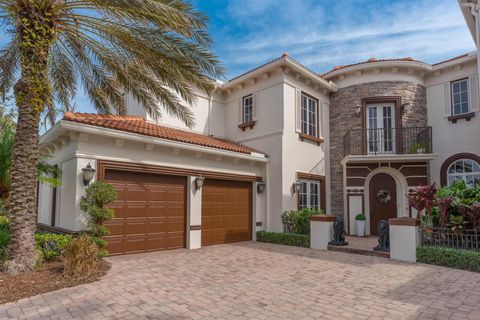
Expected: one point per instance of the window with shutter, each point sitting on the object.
(248, 112)
(460, 100)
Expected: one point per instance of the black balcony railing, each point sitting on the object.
(412, 140)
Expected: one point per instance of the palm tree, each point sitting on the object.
(152, 50)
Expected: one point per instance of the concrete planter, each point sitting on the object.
(360, 225)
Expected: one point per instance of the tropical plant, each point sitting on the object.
(46, 173)
(423, 198)
(151, 50)
(298, 221)
(443, 200)
(457, 223)
(97, 196)
(7, 138)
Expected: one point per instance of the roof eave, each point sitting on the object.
(472, 56)
(283, 61)
(64, 126)
(466, 8)
(422, 66)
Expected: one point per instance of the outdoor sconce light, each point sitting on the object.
(358, 110)
(199, 182)
(405, 108)
(260, 187)
(297, 187)
(88, 173)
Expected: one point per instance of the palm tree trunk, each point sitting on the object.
(23, 211)
(36, 31)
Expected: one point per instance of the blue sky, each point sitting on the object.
(324, 33)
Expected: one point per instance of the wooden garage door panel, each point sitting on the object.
(149, 212)
(226, 211)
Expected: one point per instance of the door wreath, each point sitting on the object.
(383, 196)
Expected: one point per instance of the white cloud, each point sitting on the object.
(324, 34)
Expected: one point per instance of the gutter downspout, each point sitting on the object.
(210, 106)
(474, 9)
(267, 208)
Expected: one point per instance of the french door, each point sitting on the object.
(380, 128)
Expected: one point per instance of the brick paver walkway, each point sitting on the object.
(260, 281)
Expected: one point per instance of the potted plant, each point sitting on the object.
(360, 224)
(418, 148)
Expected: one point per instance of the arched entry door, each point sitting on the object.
(383, 200)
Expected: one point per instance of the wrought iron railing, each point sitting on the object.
(410, 140)
(450, 238)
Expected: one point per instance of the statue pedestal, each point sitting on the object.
(321, 231)
(404, 238)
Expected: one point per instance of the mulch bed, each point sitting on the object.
(48, 277)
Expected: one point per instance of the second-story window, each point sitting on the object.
(309, 112)
(460, 103)
(247, 109)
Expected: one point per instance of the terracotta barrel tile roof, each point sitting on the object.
(138, 125)
(369, 61)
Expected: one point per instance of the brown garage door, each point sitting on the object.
(149, 212)
(226, 211)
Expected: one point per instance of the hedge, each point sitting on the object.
(288, 239)
(449, 257)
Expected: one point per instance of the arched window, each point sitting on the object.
(461, 167)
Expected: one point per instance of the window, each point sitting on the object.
(309, 194)
(467, 170)
(247, 109)
(309, 112)
(460, 97)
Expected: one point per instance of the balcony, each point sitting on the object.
(388, 141)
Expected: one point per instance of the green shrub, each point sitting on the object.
(449, 257)
(298, 221)
(288, 239)
(51, 245)
(97, 196)
(4, 238)
(80, 257)
(360, 217)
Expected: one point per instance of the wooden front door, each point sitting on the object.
(226, 211)
(380, 208)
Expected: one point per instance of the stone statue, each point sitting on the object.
(383, 236)
(338, 234)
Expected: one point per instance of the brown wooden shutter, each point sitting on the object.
(298, 111)
(447, 98)
(473, 93)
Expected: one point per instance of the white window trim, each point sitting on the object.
(309, 183)
(462, 175)
(307, 121)
(244, 106)
(452, 93)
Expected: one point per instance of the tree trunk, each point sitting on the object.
(36, 31)
(23, 211)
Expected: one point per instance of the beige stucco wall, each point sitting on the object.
(208, 110)
(78, 152)
(450, 138)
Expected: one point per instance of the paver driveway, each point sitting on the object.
(261, 281)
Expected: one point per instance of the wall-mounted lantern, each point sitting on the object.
(88, 174)
(405, 108)
(358, 110)
(199, 182)
(260, 186)
(297, 187)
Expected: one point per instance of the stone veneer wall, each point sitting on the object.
(342, 119)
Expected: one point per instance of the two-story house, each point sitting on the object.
(278, 137)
